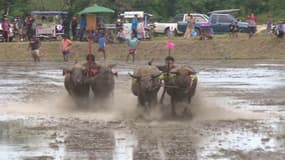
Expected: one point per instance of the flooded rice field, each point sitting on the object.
(238, 113)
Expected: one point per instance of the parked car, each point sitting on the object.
(49, 23)
(220, 23)
(179, 20)
(11, 33)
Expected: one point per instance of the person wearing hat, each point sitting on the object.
(65, 46)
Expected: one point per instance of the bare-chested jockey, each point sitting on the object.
(91, 65)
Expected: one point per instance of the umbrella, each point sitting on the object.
(96, 9)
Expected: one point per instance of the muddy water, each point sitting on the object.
(238, 114)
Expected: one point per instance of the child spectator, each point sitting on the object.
(133, 44)
(102, 44)
(65, 47)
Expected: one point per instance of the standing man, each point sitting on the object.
(82, 24)
(73, 27)
(251, 24)
(65, 24)
(135, 25)
(190, 26)
(34, 46)
(6, 28)
(65, 47)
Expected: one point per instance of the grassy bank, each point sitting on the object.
(221, 47)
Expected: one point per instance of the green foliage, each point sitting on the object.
(162, 9)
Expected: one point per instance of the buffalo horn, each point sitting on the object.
(133, 76)
(155, 76)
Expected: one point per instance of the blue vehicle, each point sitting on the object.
(220, 23)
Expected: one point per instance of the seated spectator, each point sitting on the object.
(121, 36)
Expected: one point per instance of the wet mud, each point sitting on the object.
(237, 113)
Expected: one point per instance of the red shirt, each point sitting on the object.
(6, 26)
(252, 17)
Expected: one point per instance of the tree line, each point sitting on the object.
(161, 9)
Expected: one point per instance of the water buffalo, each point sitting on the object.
(76, 81)
(145, 85)
(181, 87)
(103, 82)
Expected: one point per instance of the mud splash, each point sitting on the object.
(237, 111)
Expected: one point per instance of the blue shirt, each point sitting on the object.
(101, 42)
(82, 22)
(133, 42)
(135, 24)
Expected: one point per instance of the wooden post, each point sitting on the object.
(90, 27)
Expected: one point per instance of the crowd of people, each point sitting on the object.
(21, 29)
(25, 30)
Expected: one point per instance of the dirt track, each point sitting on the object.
(238, 113)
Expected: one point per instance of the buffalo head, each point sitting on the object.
(147, 83)
(183, 77)
(78, 75)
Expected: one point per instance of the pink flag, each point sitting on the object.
(170, 44)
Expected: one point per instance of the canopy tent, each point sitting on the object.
(95, 9)
(90, 13)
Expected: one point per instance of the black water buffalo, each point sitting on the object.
(145, 85)
(83, 76)
(181, 87)
(103, 83)
(76, 81)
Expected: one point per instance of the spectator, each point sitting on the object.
(6, 28)
(102, 44)
(190, 26)
(65, 47)
(74, 27)
(34, 46)
(82, 24)
(29, 31)
(269, 24)
(109, 36)
(121, 36)
(119, 23)
(251, 24)
(135, 25)
(133, 44)
(33, 27)
(65, 24)
(19, 26)
(234, 29)
(100, 23)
